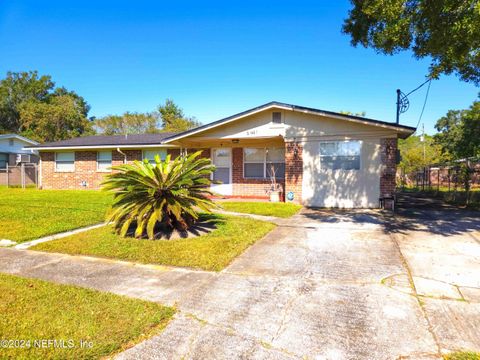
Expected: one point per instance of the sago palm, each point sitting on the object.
(161, 196)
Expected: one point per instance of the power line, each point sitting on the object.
(418, 87)
(425, 101)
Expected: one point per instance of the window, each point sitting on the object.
(11, 142)
(104, 160)
(258, 162)
(150, 154)
(3, 161)
(65, 161)
(340, 155)
(277, 117)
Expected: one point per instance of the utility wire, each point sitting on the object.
(425, 101)
(428, 80)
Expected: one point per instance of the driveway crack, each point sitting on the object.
(417, 297)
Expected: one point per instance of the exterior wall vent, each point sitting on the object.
(277, 117)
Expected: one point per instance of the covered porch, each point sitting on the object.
(246, 168)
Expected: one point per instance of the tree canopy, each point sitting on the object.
(412, 155)
(128, 123)
(459, 133)
(32, 106)
(173, 119)
(447, 31)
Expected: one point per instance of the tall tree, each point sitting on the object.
(80, 102)
(173, 119)
(459, 133)
(57, 119)
(459, 137)
(416, 154)
(16, 89)
(447, 31)
(128, 123)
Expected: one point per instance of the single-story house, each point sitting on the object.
(13, 152)
(321, 158)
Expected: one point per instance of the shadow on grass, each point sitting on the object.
(205, 224)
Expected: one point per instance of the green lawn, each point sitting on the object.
(283, 210)
(31, 213)
(37, 310)
(462, 355)
(212, 251)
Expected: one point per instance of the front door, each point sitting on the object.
(222, 159)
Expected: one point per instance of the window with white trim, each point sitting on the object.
(150, 155)
(258, 162)
(65, 161)
(340, 155)
(104, 160)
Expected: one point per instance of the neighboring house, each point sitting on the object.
(321, 158)
(13, 152)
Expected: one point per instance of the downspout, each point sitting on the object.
(124, 155)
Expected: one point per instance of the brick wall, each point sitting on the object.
(86, 168)
(388, 148)
(255, 188)
(294, 170)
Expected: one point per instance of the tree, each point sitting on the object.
(16, 89)
(447, 31)
(157, 199)
(413, 157)
(360, 114)
(459, 137)
(79, 101)
(459, 133)
(128, 123)
(59, 118)
(173, 119)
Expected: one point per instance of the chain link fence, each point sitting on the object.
(457, 181)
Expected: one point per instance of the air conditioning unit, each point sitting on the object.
(23, 158)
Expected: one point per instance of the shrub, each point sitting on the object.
(160, 197)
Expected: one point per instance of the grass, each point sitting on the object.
(35, 310)
(29, 214)
(212, 251)
(462, 355)
(283, 210)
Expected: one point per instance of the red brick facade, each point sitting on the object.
(389, 166)
(293, 170)
(85, 169)
(254, 188)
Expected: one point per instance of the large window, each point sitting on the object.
(340, 155)
(259, 162)
(3, 161)
(104, 160)
(65, 161)
(150, 154)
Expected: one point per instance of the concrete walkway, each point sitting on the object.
(324, 284)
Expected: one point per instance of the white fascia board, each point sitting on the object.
(317, 113)
(226, 122)
(364, 122)
(89, 147)
(19, 137)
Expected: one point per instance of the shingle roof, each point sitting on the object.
(114, 140)
(403, 128)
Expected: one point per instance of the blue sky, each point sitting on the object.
(215, 58)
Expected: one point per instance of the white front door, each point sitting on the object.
(222, 159)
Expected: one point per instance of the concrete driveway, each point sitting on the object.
(339, 285)
(323, 285)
